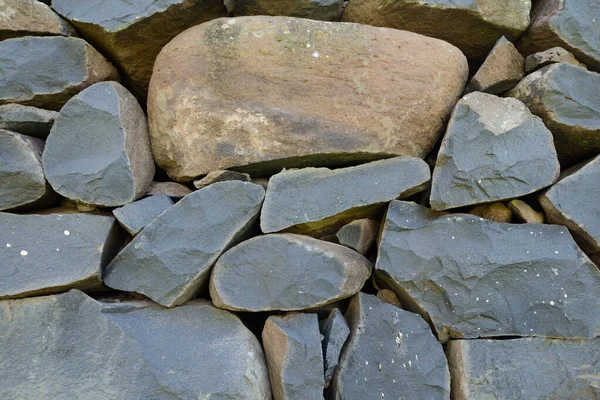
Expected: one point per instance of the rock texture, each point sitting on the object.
(551, 56)
(30, 18)
(525, 212)
(496, 212)
(359, 234)
(337, 94)
(27, 120)
(325, 10)
(135, 216)
(172, 189)
(221, 176)
(335, 331)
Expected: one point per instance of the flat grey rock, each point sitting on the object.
(172, 189)
(98, 151)
(30, 18)
(325, 10)
(286, 272)
(359, 234)
(494, 149)
(391, 354)
(171, 258)
(135, 216)
(27, 120)
(71, 346)
(335, 331)
(221, 176)
(551, 56)
(476, 278)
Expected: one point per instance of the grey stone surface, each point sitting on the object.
(319, 201)
(531, 368)
(30, 18)
(294, 356)
(98, 151)
(135, 216)
(42, 254)
(494, 149)
(476, 278)
(525, 213)
(221, 176)
(391, 354)
(554, 55)
(286, 272)
(71, 346)
(325, 10)
(335, 331)
(170, 260)
(172, 189)
(359, 234)
(27, 120)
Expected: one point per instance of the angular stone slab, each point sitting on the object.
(221, 176)
(551, 56)
(127, 350)
(472, 277)
(335, 331)
(27, 79)
(338, 94)
(27, 120)
(391, 354)
(359, 234)
(494, 149)
(135, 216)
(324, 10)
(525, 212)
(294, 356)
(41, 254)
(171, 258)
(532, 368)
(30, 18)
(286, 272)
(98, 151)
(172, 189)
(319, 201)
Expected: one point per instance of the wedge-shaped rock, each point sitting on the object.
(286, 272)
(45, 72)
(98, 151)
(171, 258)
(359, 234)
(337, 94)
(325, 10)
(30, 18)
(525, 212)
(391, 354)
(532, 368)
(27, 120)
(494, 149)
(335, 331)
(54, 347)
(472, 277)
(550, 56)
(172, 189)
(319, 201)
(221, 176)
(135, 216)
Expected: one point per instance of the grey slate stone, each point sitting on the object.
(286, 272)
(391, 354)
(135, 216)
(98, 151)
(27, 120)
(335, 331)
(172, 189)
(551, 56)
(494, 149)
(359, 234)
(476, 278)
(221, 176)
(325, 10)
(171, 258)
(71, 346)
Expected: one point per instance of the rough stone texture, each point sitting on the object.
(391, 354)
(359, 234)
(494, 149)
(551, 56)
(567, 98)
(319, 201)
(532, 368)
(171, 258)
(132, 32)
(497, 212)
(338, 94)
(221, 176)
(172, 189)
(98, 151)
(471, 25)
(388, 296)
(27, 120)
(26, 78)
(286, 272)
(476, 278)
(525, 212)
(42, 254)
(135, 216)
(294, 356)
(72, 347)
(335, 331)
(30, 18)
(325, 10)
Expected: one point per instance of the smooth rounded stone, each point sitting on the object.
(391, 354)
(319, 201)
(132, 32)
(525, 212)
(27, 120)
(359, 234)
(71, 346)
(41, 254)
(135, 216)
(98, 151)
(171, 258)
(531, 368)
(172, 189)
(388, 296)
(337, 94)
(472, 277)
(335, 331)
(551, 56)
(494, 149)
(471, 25)
(324, 10)
(286, 272)
(27, 79)
(294, 356)
(567, 98)
(496, 212)
(30, 18)
(221, 176)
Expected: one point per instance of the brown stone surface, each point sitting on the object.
(497, 212)
(30, 18)
(171, 189)
(551, 56)
(525, 212)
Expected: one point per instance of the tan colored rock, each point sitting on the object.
(525, 212)
(171, 189)
(388, 296)
(496, 212)
(551, 56)
(221, 176)
(30, 18)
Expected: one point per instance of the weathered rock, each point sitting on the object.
(42, 254)
(472, 26)
(135, 216)
(525, 212)
(27, 78)
(388, 296)
(532, 368)
(325, 10)
(335, 331)
(286, 272)
(359, 234)
(391, 354)
(98, 151)
(294, 356)
(221, 176)
(496, 212)
(567, 98)
(30, 18)
(476, 278)
(494, 149)
(172, 189)
(338, 94)
(71, 346)
(27, 120)
(551, 56)
(171, 258)
(319, 201)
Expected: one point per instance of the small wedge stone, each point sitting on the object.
(135, 216)
(359, 234)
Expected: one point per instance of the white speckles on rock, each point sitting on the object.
(24, 252)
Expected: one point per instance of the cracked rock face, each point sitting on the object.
(27, 120)
(325, 10)
(477, 278)
(30, 18)
(335, 331)
(135, 216)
